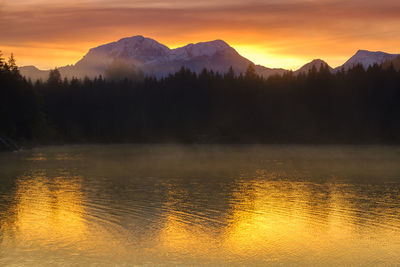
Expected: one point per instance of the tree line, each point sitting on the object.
(357, 106)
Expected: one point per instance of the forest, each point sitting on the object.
(356, 106)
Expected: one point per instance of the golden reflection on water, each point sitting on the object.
(47, 211)
(258, 219)
(50, 218)
(267, 222)
(275, 222)
(182, 233)
(292, 222)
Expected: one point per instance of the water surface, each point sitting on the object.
(200, 205)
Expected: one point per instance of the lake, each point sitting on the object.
(124, 205)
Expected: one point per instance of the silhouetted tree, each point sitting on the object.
(251, 72)
(12, 65)
(54, 79)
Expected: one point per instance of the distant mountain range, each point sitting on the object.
(156, 59)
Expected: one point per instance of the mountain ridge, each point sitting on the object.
(156, 59)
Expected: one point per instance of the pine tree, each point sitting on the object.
(251, 72)
(54, 78)
(12, 66)
(230, 75)
(1, 61)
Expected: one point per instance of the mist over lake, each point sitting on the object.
(199, 133)
(251, 205)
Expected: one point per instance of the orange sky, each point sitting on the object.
(274, 33)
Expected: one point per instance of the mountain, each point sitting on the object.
(137, 50)
(34, 73)
(156, 59)
(366, 59)
(393, 62)
(317, 63)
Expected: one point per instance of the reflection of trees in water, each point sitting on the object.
(368, 207)
(198, 204)
(45, 210)
(46, 218)
(290, 218)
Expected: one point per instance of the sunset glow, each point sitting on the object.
(273, 33)
(199, 133)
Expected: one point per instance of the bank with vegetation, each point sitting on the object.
(357, 106)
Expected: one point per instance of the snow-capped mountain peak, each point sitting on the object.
(137, 48)
(367, 58)
(208, 49)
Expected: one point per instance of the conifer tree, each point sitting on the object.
(251, 72)
(54, 78)
(1, 61)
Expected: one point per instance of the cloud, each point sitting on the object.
(296, 28)
(339, 17)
